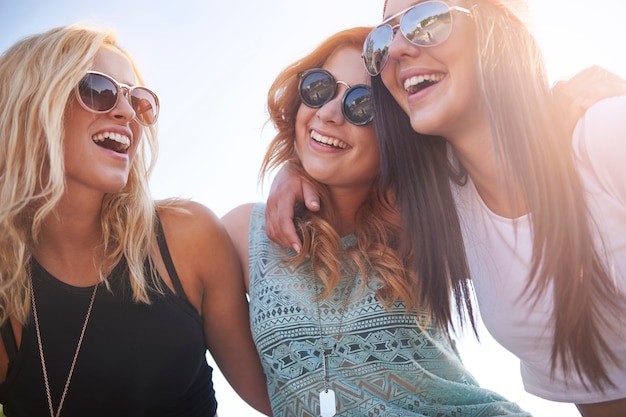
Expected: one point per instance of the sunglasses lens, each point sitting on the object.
(317, 88)
(100, 94)
(97, 93)
(427, 24)
(145, 104)
(357, 106)
(375, 49)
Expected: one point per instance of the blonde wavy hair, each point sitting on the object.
(37, 79)
(377, 221)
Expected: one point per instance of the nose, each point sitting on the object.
(400, 47)
(123, 110)
(331, 111)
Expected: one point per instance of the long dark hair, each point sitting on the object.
(415, 169)
(539, 160)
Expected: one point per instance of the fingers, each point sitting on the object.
(311, 199)
(279, 215)
(285, 191)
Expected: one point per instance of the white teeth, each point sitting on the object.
(328, 141)
(418, 79)
(117, 137)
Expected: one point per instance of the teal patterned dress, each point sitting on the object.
(378, 362)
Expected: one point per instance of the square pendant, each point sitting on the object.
(328, 407)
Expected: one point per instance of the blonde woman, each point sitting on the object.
(108, 300)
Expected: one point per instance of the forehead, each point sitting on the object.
(395, 7)
(111, 61)
(346, 64)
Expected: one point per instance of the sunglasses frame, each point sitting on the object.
(350, 88)
(121, 89)
(394, 30)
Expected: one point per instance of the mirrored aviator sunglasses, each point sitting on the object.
(99, 93)
(317, 87)
(424, 24)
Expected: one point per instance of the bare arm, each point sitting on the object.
(287, 189)
(237, 223)
(204, 255)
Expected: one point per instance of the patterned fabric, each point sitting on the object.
(380, 363)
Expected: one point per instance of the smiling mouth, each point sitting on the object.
(112, 141)
(328, 141)
(419, 82)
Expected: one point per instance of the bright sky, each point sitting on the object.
(212, 66)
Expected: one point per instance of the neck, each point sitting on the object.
(489, 176)
(69, 245)
(346, 203)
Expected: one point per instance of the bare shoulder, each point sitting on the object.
(188, 217)
(201, 249)
(237, 223)
(184, 209)
(192, 230)
(238, 217)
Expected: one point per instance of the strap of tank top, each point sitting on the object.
(167, 259)
(8, 337)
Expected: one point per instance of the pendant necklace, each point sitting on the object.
(40, 345)
(328, 400)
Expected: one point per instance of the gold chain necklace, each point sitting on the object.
(41, 355)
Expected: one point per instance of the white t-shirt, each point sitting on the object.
(499, 252)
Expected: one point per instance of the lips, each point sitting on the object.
(417, 83)
(328, 141)
(113, 141)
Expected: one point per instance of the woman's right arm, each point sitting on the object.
(209, 267)
(287, 190)
(237, 224)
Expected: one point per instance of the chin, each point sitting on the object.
(422, 126)
(115, 187)
(428, 123)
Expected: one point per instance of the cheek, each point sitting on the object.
(77, 119)
(463, 70)
(368, 152)
(75, 128)
(303, 116)
(460, 49)
(374, 152)
(138, 133)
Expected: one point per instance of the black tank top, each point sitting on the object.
(135, 360)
